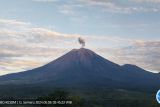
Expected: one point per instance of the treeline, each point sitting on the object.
(96, 101)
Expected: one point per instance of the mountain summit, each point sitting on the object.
(84, 68)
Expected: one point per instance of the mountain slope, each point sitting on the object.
(84, 68)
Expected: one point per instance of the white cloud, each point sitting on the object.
(142, 53)
(147, 1)
(70, 7)
(120, 7)
(66, 9)
(13, 22)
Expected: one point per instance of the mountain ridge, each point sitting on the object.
(83, 67)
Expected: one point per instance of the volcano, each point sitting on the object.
(84, 68)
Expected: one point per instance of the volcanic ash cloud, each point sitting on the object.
(81, 41)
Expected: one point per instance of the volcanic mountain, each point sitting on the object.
(84, 68)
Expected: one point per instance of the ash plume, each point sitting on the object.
(81, 41)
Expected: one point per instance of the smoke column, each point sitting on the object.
(81, 41)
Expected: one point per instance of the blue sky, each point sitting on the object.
(124, 31)
(92, 17)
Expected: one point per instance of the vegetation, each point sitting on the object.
(95, 98)
(59, 95)
(90, 97)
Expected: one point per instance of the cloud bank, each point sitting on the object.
(29, 46)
